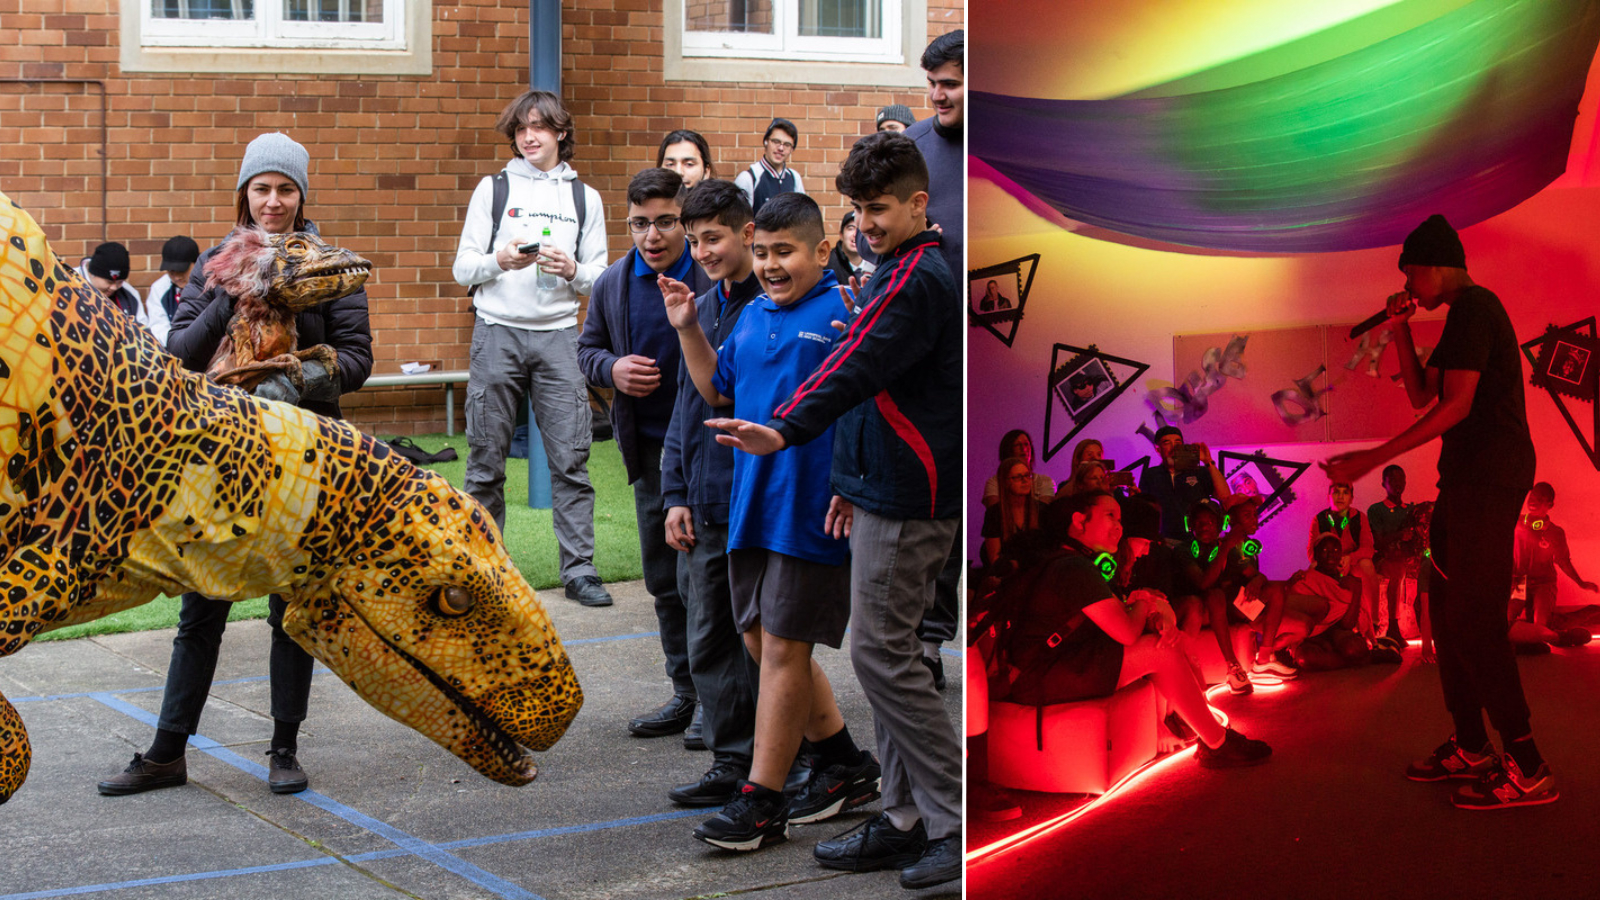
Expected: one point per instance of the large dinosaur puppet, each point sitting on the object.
(122, 477)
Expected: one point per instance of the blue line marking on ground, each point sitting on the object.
(482, 878)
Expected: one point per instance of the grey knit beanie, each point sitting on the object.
(276, 152)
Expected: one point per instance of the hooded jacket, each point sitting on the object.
(535, 201)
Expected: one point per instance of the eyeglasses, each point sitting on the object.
(663, 224)
(1021, 476)
(777, 143)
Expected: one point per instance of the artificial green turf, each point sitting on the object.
(529, 537)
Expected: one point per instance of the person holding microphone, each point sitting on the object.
(1486, 466)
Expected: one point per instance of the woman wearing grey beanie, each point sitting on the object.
(270, 194)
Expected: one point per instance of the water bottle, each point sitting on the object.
(547, 281)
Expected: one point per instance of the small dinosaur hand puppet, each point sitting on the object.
(273, 278)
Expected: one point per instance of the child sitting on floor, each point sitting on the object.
(1332, 602)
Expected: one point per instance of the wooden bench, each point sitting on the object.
(449, 379)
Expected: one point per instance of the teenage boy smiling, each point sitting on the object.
(627, 344)
(894, 381)
(790, 576)
(696, 487)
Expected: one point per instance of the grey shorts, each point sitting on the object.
(789, 597)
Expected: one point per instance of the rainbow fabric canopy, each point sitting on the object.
(1468, 115)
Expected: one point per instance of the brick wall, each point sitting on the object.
(394, 159)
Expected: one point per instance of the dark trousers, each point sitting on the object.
(194, 663)
(661, 569)
(939, 625)
(724, 674)
(1472, 541)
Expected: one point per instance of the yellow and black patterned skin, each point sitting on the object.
(122, 477)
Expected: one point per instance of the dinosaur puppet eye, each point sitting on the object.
(453, 601)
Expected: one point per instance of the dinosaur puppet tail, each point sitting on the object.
(15, 752)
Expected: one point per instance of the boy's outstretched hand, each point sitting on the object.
(756, 440)
(679, 300)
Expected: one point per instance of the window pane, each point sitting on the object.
(743, 16)
(333, 10)
(203, 9)
(841, 18)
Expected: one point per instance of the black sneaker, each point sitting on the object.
(836, 788)
(284, 775)
(1573, 637)
(747, 822)
(588, 590)
(1236, 751)
(714, 788)
(874, 844)
(1453, 761)
(1504, 786)
(1179, 728)
(940, 863)
(146, 775)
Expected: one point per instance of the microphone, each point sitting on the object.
(1369, 323)
(1373, 321)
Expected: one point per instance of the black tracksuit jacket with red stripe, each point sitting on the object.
(894, 384)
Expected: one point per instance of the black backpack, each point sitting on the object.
(502, 191)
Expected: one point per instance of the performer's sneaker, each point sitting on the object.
(747, 822)
(832, 790)
(1239, 681)
(1452, 761)
(1505, 786)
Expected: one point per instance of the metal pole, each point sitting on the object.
(544, 45)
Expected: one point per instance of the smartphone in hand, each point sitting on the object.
(528, 248)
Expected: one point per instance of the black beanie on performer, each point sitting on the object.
(1433, 243)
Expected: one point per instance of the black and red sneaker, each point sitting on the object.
(836, 788)
(754, 818)
(1452, 761)
(1504, 786)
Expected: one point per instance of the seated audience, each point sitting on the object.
(1018, 509)
(1341, 520)
(1332, 603)
(1186, 475)
(1221, 568)
(1541, 548)
(1074, 638)
(1017, 443)
(1089, 475)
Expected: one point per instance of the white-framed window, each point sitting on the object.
(820, 30)
(315, 24)
(860, 42)
(376, 37)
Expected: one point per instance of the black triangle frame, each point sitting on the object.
(1012, 317)
(1059, 373)
(1590, 450)
(1281, 496)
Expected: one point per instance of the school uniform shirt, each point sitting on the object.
(761, 182)
(147, 313)
(780, 500)
(535, 201)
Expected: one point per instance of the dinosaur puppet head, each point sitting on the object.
(433, 625)
(297, 270)
(122, 476)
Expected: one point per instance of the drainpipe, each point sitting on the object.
(544, 45)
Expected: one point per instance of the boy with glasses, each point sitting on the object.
(770, 175)
(627, 344)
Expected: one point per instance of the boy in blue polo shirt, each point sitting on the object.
(790, 577)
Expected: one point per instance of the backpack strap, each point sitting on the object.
(502, 191)
(580, 204)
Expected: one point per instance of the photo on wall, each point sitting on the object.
(1258, 475)
(996, 296)
(1566, 364)
(1083, 381)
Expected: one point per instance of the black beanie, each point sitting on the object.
(110, 261)
(1433, 243)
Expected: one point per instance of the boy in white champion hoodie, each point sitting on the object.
(524, 337)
